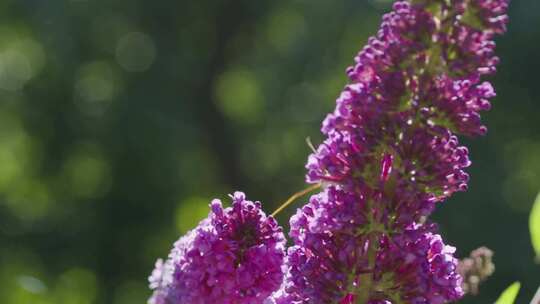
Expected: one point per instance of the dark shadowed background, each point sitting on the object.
(121, 119)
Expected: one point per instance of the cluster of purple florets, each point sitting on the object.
(391, 154)
(236, 255)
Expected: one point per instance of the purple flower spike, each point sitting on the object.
(391, 154)
(235, 256)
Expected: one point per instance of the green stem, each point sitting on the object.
(294, 197)
(365, 281)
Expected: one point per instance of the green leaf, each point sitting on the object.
(509, 295)
(534, 226)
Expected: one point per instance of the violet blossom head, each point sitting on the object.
(417, 267)
(326, 265)
(235, 256)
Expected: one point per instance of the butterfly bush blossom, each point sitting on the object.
(235, 256)
(391, 154)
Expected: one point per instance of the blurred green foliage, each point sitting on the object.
(534, 227)
(119, 120)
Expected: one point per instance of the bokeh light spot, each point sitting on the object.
(29, 199)
(239, 96)
(21, 58)
(135, 52)
(96, 84)
(14, 155)
(15, 70)
(87, 172)
(24, 194)
(76, 286)
(31, 284)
